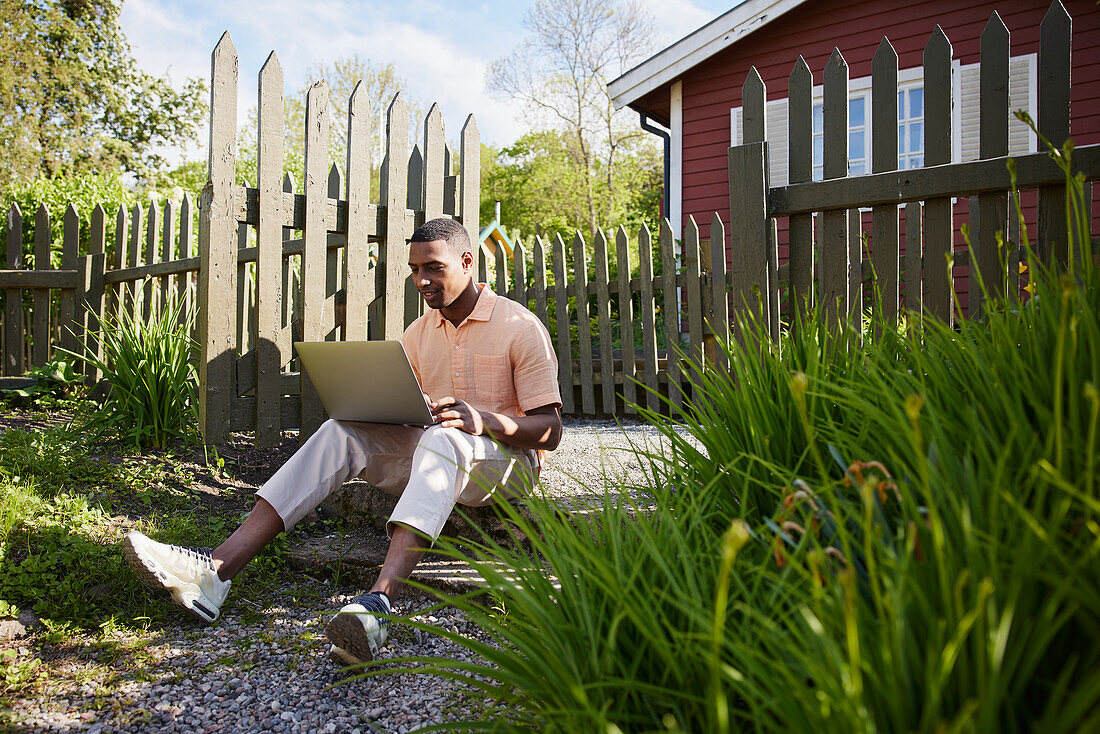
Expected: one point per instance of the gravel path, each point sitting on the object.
(268, 669)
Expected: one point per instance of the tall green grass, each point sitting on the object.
(770, 578)
(153, 378)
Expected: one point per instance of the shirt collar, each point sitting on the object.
(483, 309)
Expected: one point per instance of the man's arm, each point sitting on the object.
(539, 429)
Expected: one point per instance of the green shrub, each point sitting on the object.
(153, 379)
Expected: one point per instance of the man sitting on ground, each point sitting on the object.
(489, 371)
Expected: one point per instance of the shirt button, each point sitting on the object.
(456, 346)
(456, 374)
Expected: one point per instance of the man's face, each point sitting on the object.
(438, 272)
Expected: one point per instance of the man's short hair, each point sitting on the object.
(444, 228)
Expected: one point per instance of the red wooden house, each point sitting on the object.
(693, 87)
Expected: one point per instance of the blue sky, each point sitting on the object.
(441, 47)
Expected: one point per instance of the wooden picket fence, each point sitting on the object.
(269, 257)
(161, 237)
(835, 282)
(675, 310)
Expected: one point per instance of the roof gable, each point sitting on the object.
(694, 48)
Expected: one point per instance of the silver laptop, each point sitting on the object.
(368, 381)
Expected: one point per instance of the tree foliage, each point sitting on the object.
(72, 99)
(560, 72)
(540, 183)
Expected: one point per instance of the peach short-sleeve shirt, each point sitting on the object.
(499, 359)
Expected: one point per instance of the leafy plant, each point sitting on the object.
(55, 378)
(153, 379)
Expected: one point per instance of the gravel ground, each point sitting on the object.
(268, 669)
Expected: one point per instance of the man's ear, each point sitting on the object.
(467, 259)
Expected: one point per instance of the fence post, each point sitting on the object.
(626, 320)
(183, 280)
(584, 324)
(937, 284)
(913, 255)
(167, 251)
(993, 142)
(148, 307)
(519, 273)
(93, 267)
(1055, 34)
(118, 304)
(694, 296)
(836, 265)
(315, 244)
(67, 316)
(538, 263)
(561, 326)
(218, 251)
(667, 246)
(269, 254)
(603, 320)
(470, 188)
(134, 257)
(748, 177)
(40, 332)
(649, 316)
(13, 300)
(800, 166)
(393, 255)
(720, 317)
(360, 280)
(884, 157)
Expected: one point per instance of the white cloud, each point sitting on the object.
(675, 19)
(441, 48)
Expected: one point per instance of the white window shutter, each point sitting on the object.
(1021, 81)
(777, 141)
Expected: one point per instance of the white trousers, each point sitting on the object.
(429, 470)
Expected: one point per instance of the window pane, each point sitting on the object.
(916, 161)
(855, 112)
(856, 168)
(855, 144)
(819, 151)
(916, 102)
(901, 139)
(901, 105)
(916, 137)
(819, 120)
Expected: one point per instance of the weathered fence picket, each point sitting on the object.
(626, 321)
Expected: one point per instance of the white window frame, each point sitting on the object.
(907, 79)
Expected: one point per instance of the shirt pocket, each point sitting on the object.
(493, 379)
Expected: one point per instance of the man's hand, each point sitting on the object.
(454, 413)
(539, 429)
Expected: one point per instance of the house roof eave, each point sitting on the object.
(696, 47)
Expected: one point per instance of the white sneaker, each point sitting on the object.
(355, 632)
(186, 573)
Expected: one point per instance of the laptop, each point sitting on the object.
(369, 381)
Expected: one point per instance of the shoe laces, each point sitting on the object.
(374, 604)
(196, 558)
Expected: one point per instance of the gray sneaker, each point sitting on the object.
(186, 573)
(356, 632)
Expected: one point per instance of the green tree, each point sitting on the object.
(540, 182)
(72, 99)
(560, 71)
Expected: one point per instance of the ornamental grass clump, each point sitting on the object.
(896, 533)
(148, 363)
